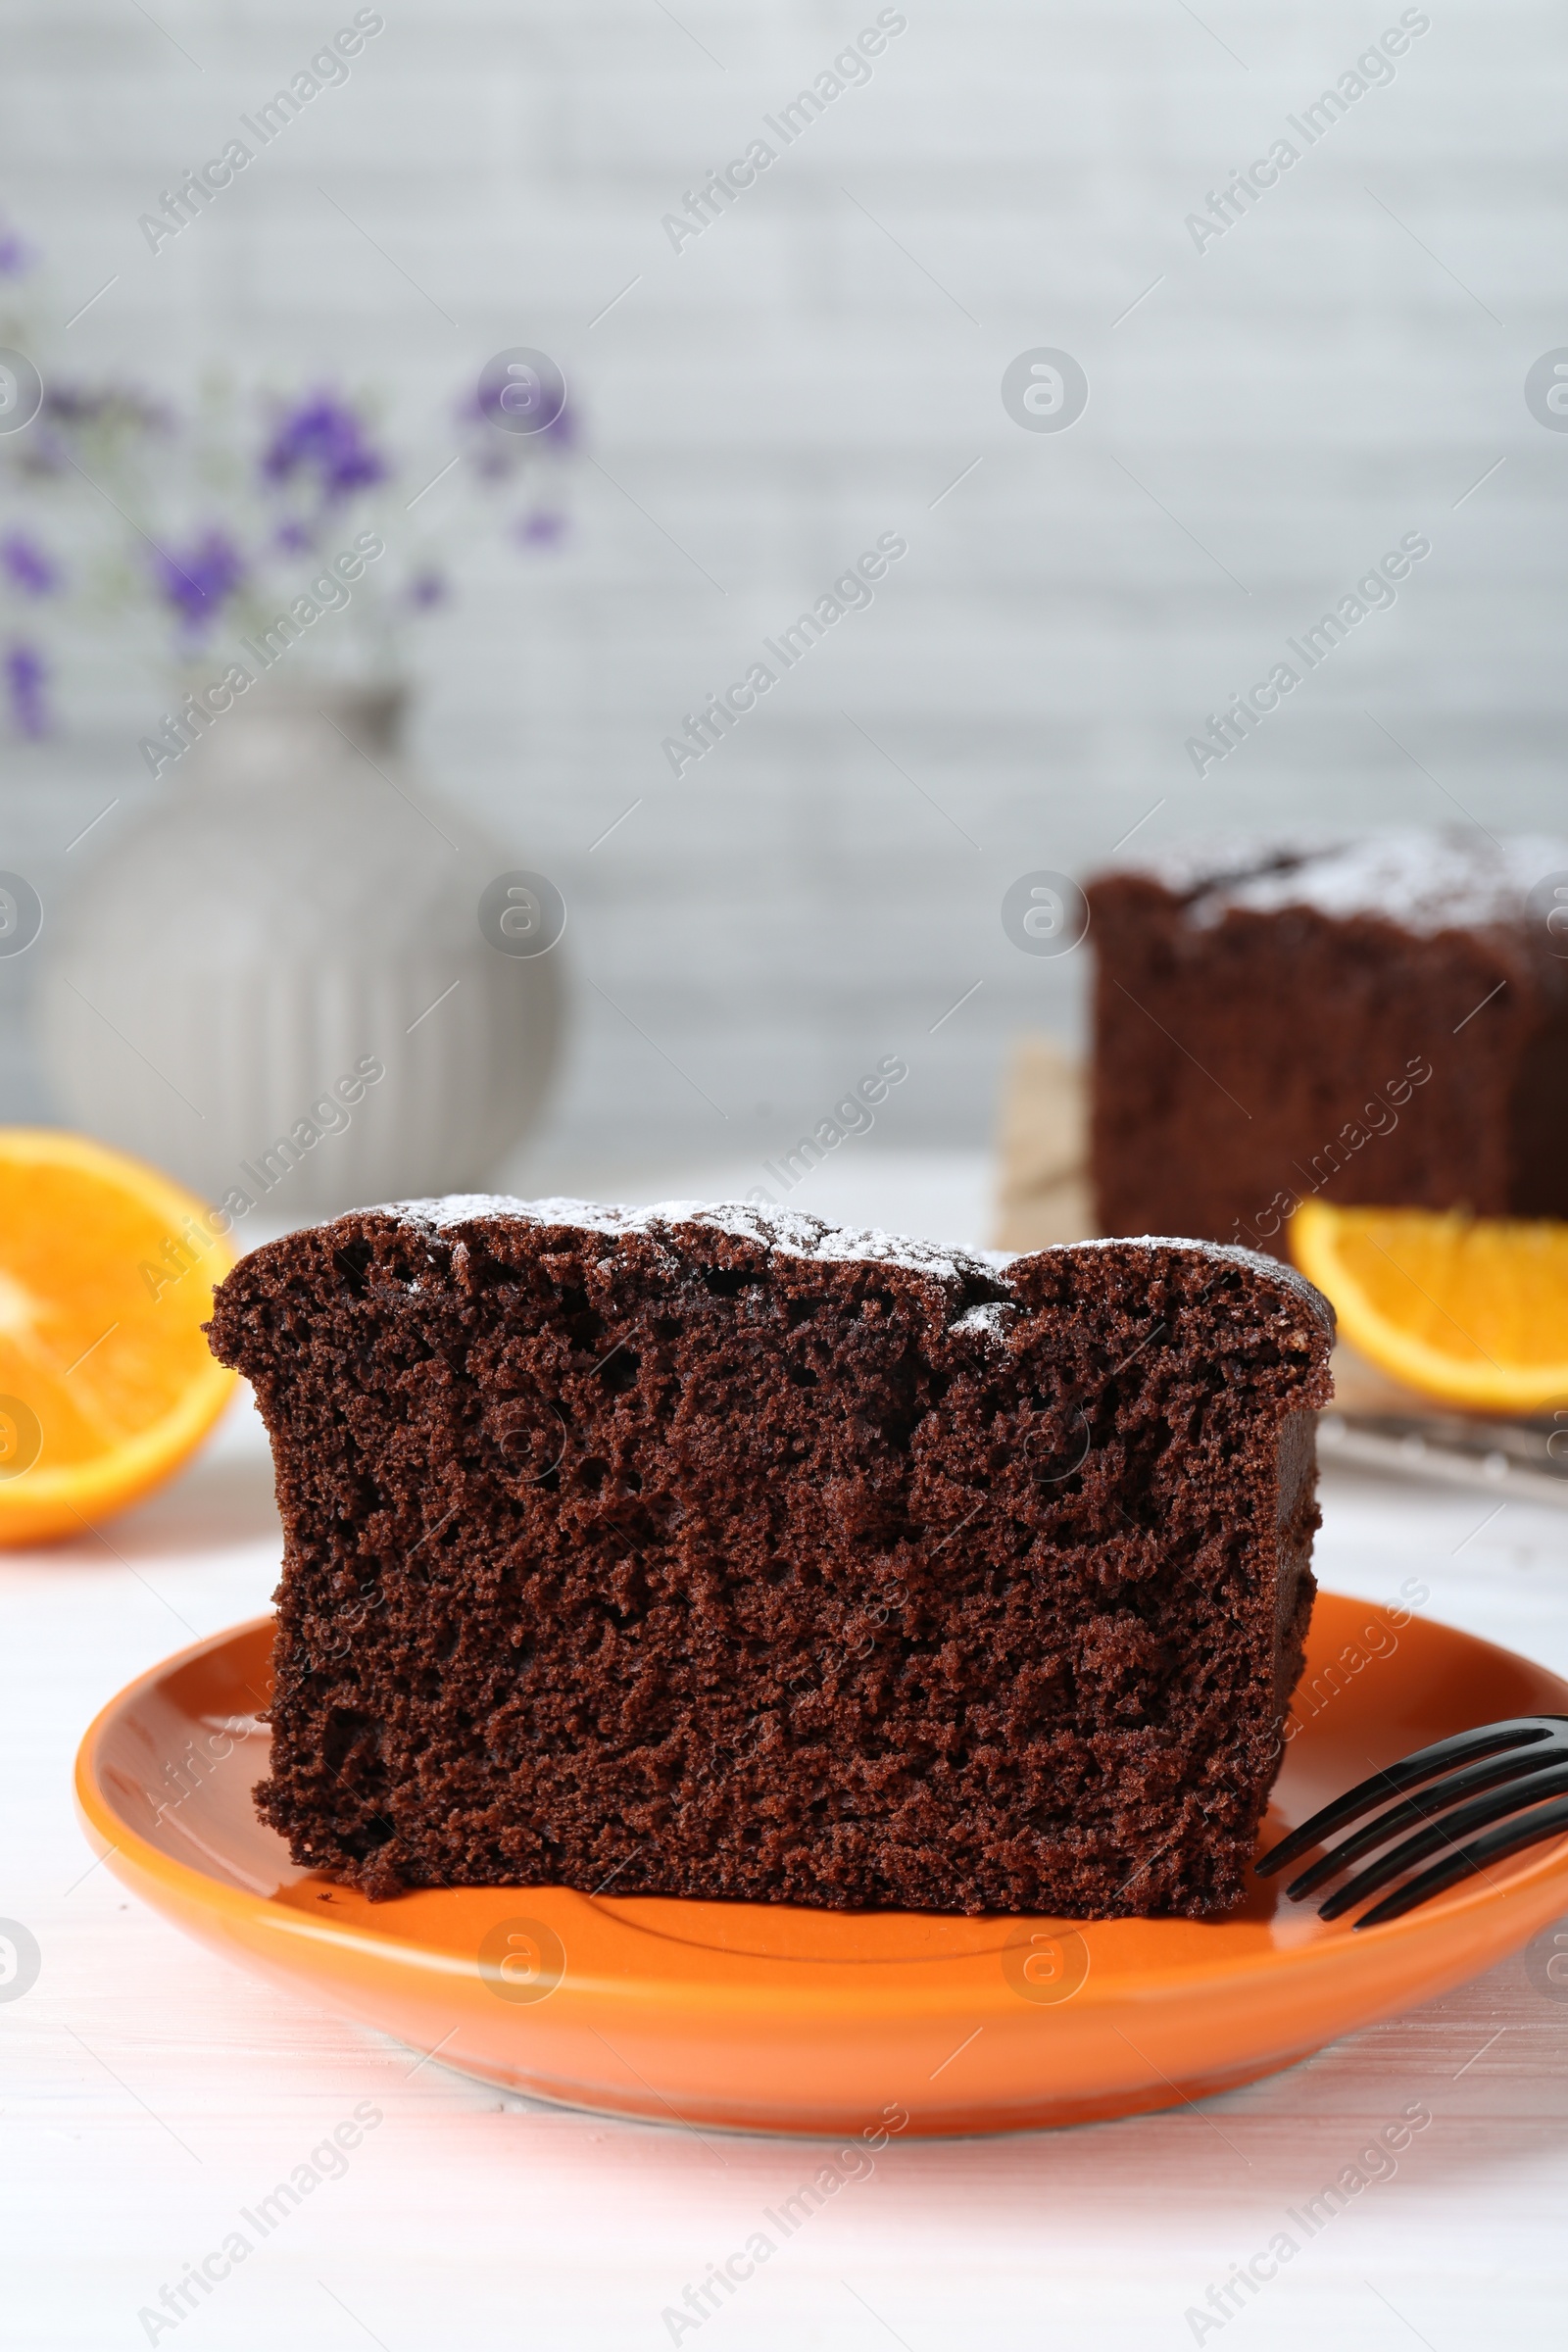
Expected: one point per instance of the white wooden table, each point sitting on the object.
(148, 2093)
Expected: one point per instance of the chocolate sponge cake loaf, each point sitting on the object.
(717, 1552)
(1379, 1020)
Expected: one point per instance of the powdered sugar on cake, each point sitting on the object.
(798, 1236)
(988, 1321)
(1425, 882)
(782, 1229)
(1226, 1252)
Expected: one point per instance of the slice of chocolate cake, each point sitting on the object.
(1381, 1020)
(717, 1552)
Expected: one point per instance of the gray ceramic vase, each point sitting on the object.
(298, 978)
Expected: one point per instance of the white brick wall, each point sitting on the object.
(792, 383)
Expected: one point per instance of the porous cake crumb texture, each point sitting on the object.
(699, 1552)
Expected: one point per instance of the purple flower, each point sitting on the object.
(25, 672)
(426, 588)
(293, 538)
(502, 454)
(542, 528)
(27, 565)
(322, 438)
(196, 581)
(16, 256)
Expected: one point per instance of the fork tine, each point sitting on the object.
(1518, 1731)
(1514, 1797)
(1532, 1829)
(1435, 1798)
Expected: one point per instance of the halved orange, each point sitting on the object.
(106, 1381)
(1473, 1311)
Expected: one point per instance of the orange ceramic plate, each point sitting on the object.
(764, 2017)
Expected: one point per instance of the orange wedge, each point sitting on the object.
(1473, 1311)
(106, 1382)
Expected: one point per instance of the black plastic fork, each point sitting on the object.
(1489, 1774)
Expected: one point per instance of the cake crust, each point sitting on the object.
(717, 1552)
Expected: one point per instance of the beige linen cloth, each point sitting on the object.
(1043, 1146)
(1043, 1193)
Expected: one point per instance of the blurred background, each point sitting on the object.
(760, 386)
